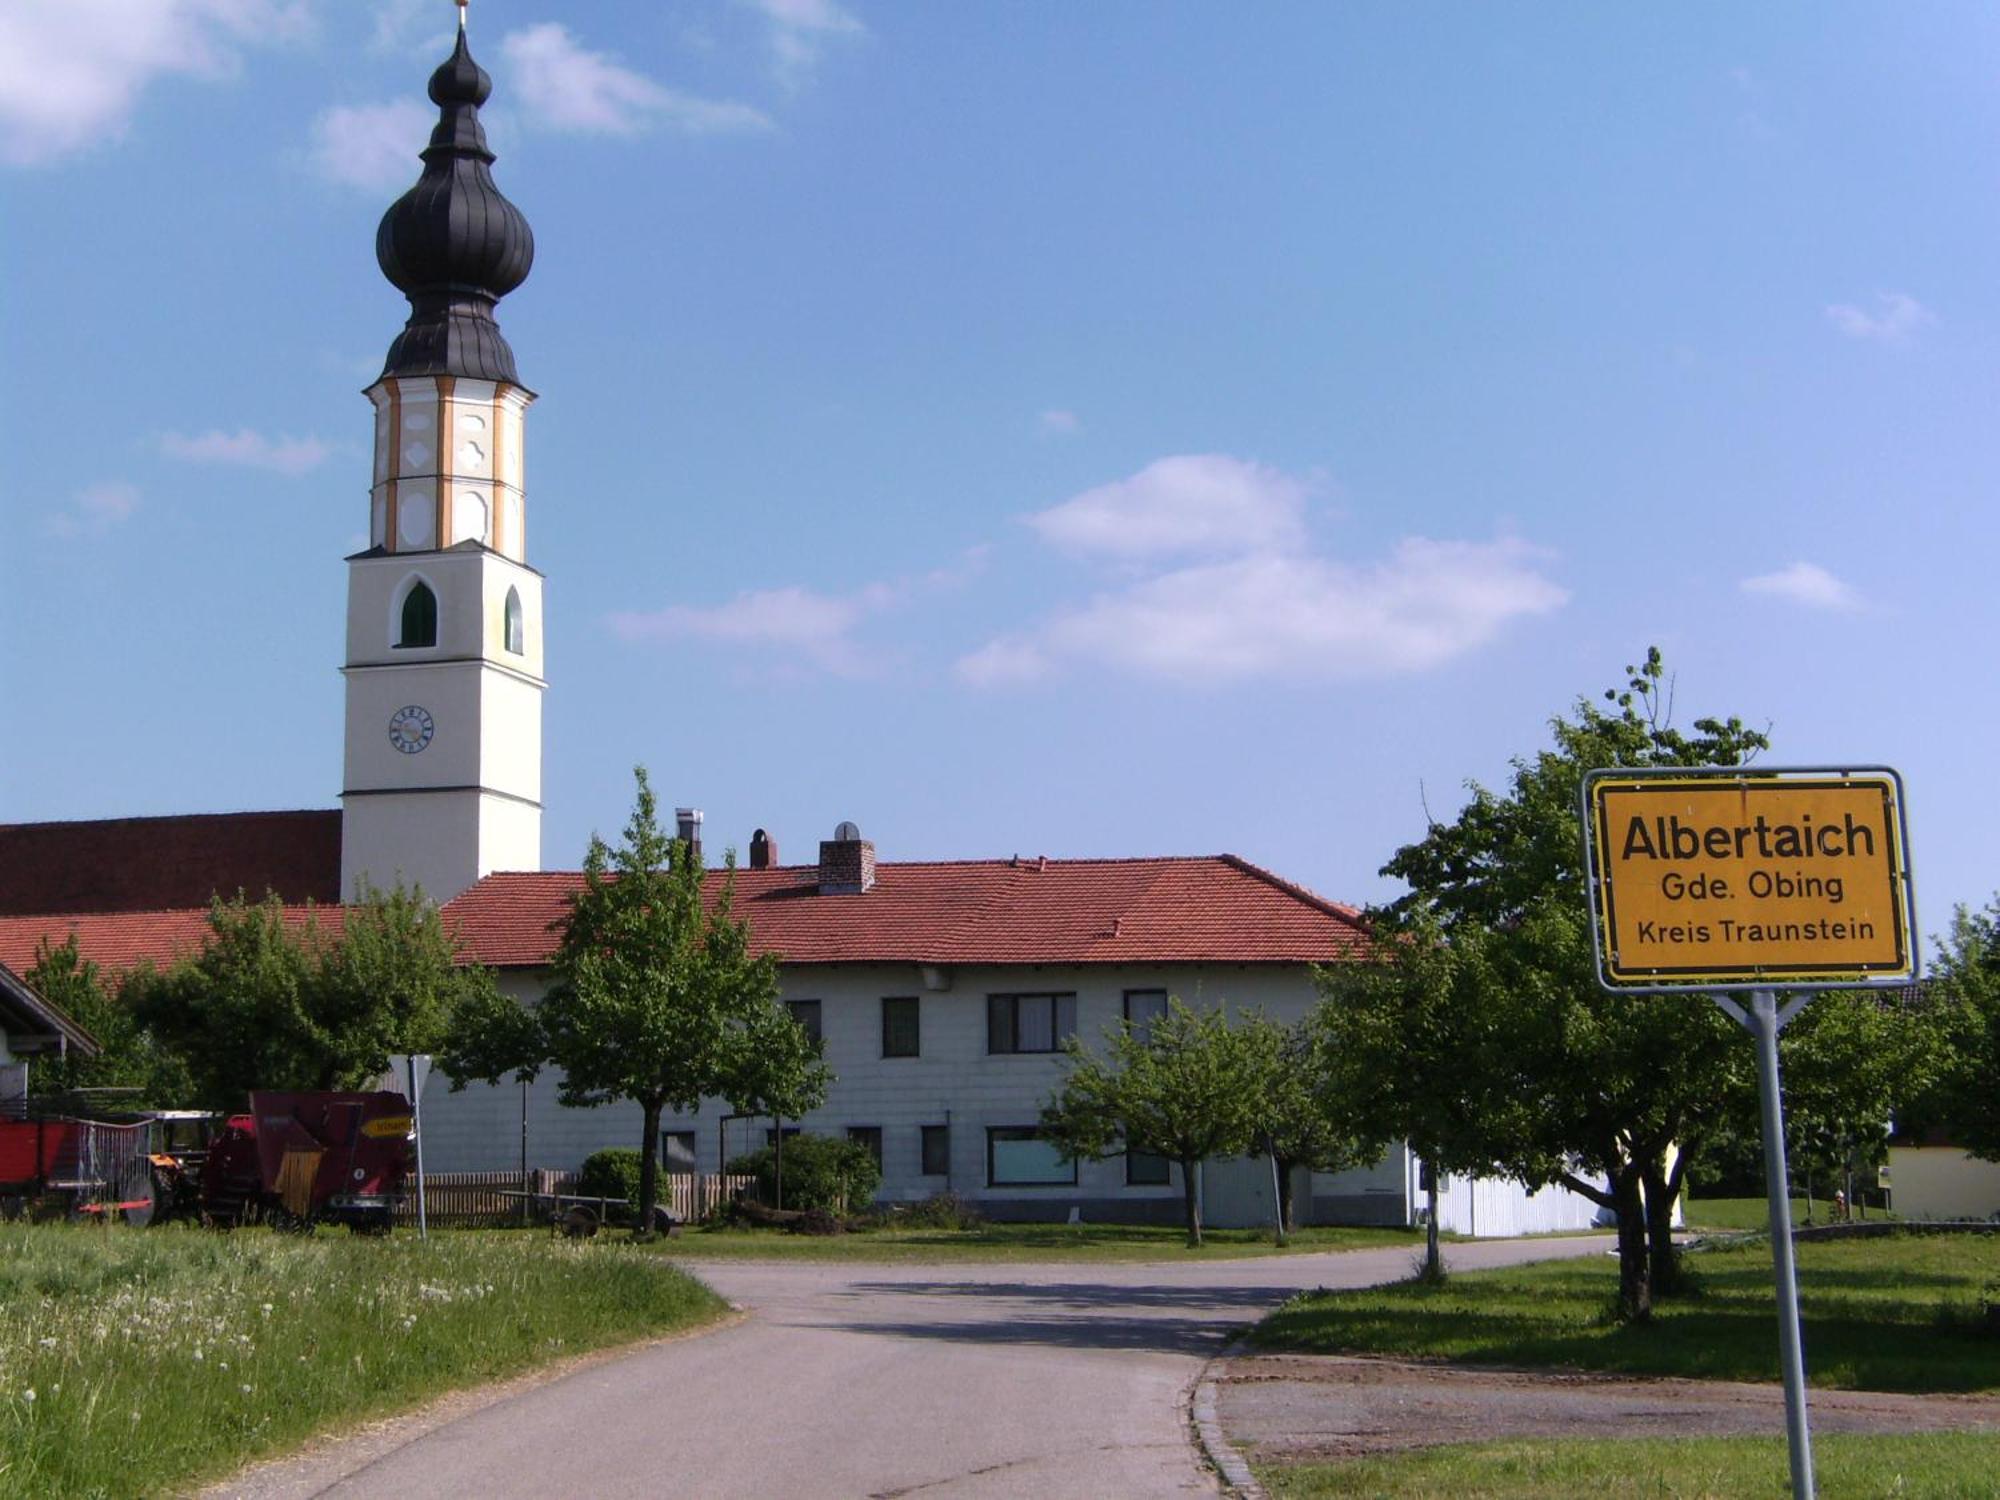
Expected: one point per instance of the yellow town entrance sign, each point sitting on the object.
(1707, 880)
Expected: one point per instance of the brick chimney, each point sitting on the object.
(846, 863)
(687, 827)
(763, 850)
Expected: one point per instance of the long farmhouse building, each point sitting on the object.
(941, 990)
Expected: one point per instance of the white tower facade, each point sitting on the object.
(443, 766)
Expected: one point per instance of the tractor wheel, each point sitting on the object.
(580, 1223)
(285, 1221)
(375, 1225)
(142, 1199)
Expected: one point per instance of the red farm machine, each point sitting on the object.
(294, 1161)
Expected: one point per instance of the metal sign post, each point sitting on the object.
(1729, 879)
(1764, 1020)
(417, 1068)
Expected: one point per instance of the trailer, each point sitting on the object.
(64, 1165)
(302, 1159)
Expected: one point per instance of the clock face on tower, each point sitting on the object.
(410, 729)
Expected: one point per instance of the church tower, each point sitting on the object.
(443, 771)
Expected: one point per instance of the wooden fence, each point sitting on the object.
(468, 1199)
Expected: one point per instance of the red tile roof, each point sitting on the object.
(1207, 909)
(154, 864)
(1218, 909)
(117, 941)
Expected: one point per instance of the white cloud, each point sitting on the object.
(1277, 616)
(72, 71)
(798, 623)
(419, 27)
(798, 28)
(247, 450)
(793, 621)
(372, 146)
(1064, 422)
(95, 510)
(565, 87)
(1806, 584)
(1229, 587)
(1199, 504)
(1898, 318)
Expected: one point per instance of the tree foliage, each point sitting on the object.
(267, 1004)
(1581, 1087)
(658, 999)
(1290, 1121)
(1184, 1088)
(1963, 1092)
(821, 1172)
(130, 1061)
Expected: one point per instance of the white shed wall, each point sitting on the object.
(1942, 1182)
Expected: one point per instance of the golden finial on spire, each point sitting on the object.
(463, 7)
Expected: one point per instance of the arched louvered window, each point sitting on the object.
(512, 624)
(420, 616)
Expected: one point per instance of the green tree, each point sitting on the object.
(1184, 1089)
(129, 1060)
(1613, 1082)
(657, 1000)
(778, 1071)
(1962, 1011)
(269, 1005)
(1291, 1125)
(1415, 1044)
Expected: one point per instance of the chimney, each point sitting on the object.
(846, 863)
(763, 850)
(687, 827)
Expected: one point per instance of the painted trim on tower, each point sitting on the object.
(425, 791)
(445, 661)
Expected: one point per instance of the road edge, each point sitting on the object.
(1215, 1446)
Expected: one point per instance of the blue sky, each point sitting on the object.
(1082, 430)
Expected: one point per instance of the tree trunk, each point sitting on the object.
(649, 1170)
(1635, 1280)
(1433, 1255)
(1664, 1260)
(1287, 1218)
(1191, 1200)
(778, 1160)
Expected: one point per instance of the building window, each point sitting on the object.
(512, 634)
(869, 1136)
(1143, 1169)
(1017, 1156)
(937, 1151)
(1029, 1023)
(1142, 1009)
(677, 1151)
(899, 1026)
(806, 1013)
(420, 616)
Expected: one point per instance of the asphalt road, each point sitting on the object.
(955, 1382)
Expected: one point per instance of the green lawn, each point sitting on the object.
(1903, 1313)
(1748, 1214)
(1021, 1242)
(1924, 1466)
(1753, 1214)
(134, 1362)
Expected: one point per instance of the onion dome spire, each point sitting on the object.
(453, 244)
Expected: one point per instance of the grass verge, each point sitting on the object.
(1921, 1466)
(136, 1362)
(1901, 1313)
(1020, 1242)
